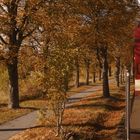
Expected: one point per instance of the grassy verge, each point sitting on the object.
(27, 105)
(25, 108)
(92, 118)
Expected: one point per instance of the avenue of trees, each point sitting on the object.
(54, 39)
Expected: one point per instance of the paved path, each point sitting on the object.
(135, 118)
(83, 94)
(13, 127)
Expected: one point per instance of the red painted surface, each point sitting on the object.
(137, 52)
(137, 93)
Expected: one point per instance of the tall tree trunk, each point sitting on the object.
(110, 71)
(132, 72)
(94, 77)
(87, 71)
(99, 62)
(117, 73)
(100, 74)
(122, 74)
(13, 79)
(106, 92)
(77, 83)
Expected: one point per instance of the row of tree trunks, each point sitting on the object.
(120, 72)
(94, 76)
(122, 75)
(77, 74)
(104, 72)
(77, 78)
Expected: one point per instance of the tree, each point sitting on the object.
(77, 77)
(106, 22)
(17, 23)
(60, 68)
(87, 66)
(58, 53)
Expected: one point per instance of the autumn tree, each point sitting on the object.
(58, 52)
(105, 19)
(18, 21)
(120, 48)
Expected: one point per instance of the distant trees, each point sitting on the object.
(77, 69)
(107, 21)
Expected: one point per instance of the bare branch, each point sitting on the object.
(2, 39)
(36, 40)
(2, 8)
(26, 16)
(24, 23)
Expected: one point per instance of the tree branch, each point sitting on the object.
(29, 33)
(1, 38)
(2, 8)
(36, 40)
(2, 58)
(24, 23)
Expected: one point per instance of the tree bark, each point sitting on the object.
(77, 83)
(15, 40)
(121, 78)
(121, 74)
(132, 72)
(87, 71)
(106, 92)
(117, 73)
(100, 74)
(98, 51)
(13, 79)
(110, 71)
(94, 77)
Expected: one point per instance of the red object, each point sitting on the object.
(137, 93)
(137, 52)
